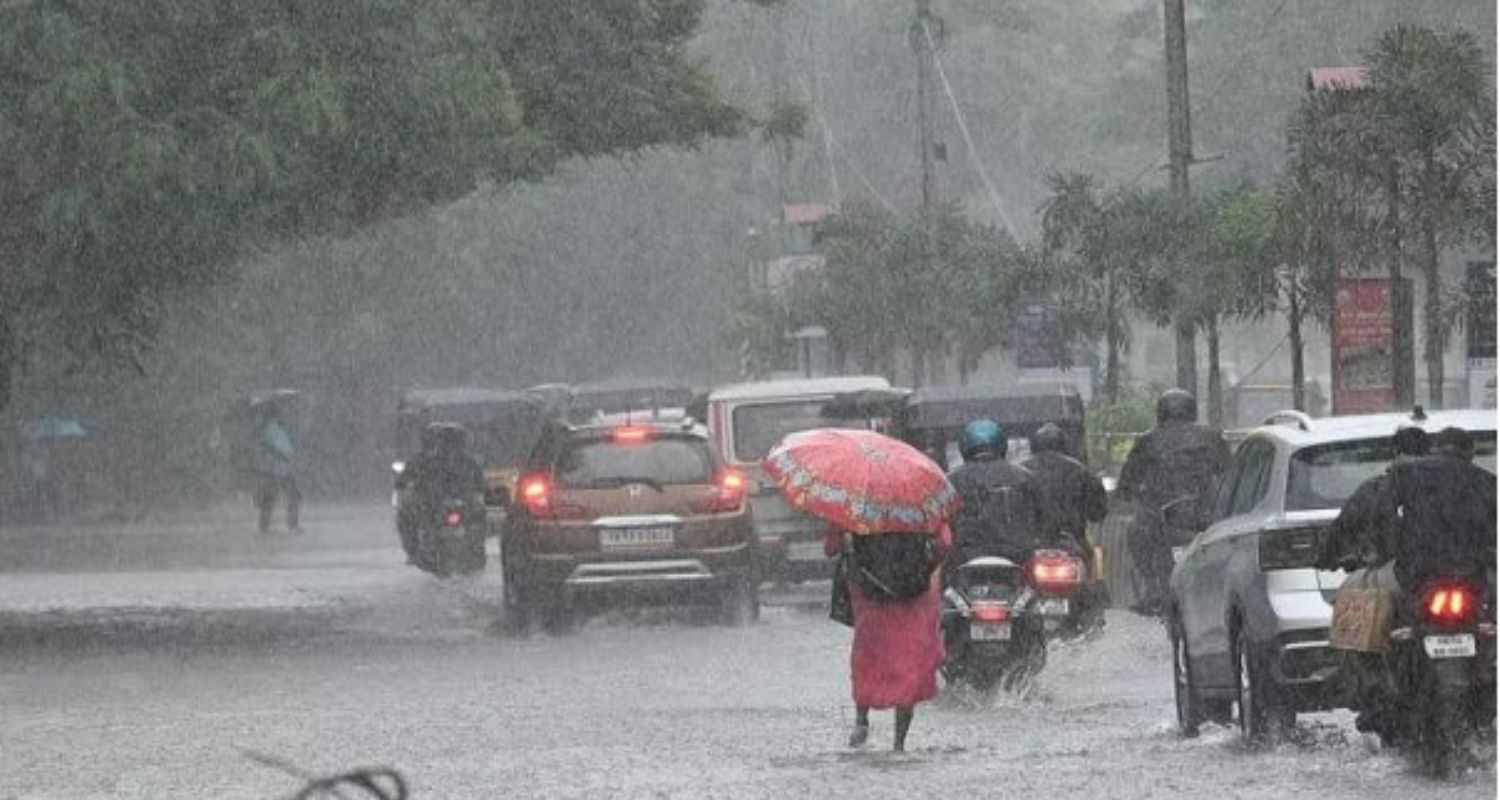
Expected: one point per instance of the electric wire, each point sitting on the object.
(963, 129)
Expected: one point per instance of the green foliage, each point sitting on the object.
(146, 146)
(1113, 426)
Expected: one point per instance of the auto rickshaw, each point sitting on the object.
(502, 425)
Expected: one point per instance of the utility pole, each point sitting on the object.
(1180, 157)
(922, 41)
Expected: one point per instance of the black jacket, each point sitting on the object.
(1003, 512)
(1361, 535)
(1074, 495)
(1173, 461)
(436, 478)
(1445, 518)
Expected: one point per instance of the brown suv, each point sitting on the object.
(641, 510)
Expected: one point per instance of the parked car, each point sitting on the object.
(746, 421)
(1249, 612)
(635, 512)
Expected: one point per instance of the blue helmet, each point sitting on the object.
(981, 438)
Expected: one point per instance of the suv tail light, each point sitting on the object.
(453, 519)
(1054, 572)
(731, 487)
(538, 495)
(1449, 605)
(1293, 548)
(535, 493)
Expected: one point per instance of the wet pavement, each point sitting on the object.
(326, 652)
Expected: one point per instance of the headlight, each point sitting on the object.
(398, 467)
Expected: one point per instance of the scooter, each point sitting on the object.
(997, 616)
(1438, 681)
(451, 541)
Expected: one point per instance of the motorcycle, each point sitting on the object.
(1438, 681)
(451, 541)
(997, 616)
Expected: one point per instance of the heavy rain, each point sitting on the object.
(748, 398)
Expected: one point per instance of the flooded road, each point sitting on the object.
(328, 653)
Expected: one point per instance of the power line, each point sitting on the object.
(963, 128)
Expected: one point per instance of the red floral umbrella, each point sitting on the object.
(862, 481)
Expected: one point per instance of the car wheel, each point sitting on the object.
(557, 615)
(740, 604)
(1261, 711)
(1189, 712)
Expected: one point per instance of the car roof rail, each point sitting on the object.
(1290, 416)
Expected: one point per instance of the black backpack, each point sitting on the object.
(891, 567)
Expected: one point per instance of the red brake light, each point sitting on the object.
(731, 496)
(1053, 571)
(1449, 605)
(991, 612)
(630, 435)
(536, 494)
(453, 519)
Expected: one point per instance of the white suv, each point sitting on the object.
(1249, 612)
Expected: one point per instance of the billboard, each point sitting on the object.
(1363, 337)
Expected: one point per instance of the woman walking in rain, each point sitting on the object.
(898, 644)
(888, 506)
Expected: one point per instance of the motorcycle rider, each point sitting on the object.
(1363, 536)
(1170, 473)
(444, 470)
(1074, 498)
(1003, 510)
(1427, 514)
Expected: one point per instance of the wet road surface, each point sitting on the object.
(327, 652)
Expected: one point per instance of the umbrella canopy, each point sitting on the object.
(862, 481)
(53, 428)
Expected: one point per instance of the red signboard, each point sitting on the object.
(1362, 340)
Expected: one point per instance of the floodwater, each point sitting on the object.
(326, 652)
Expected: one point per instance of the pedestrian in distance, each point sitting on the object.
(275, 474)
(898, 645)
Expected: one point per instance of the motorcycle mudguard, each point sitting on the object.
(1451, 676)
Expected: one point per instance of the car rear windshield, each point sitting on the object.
(757, 428)
(604, 463)
(1324, 476)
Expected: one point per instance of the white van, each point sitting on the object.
(745, 421)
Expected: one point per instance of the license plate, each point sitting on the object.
(1053, 606)
(636, 538)
(805, 551)
(1457, 646)
(989, 631)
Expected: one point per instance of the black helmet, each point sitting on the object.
(1411, 441)
(1176, 405)
(1048, 437)
(1455, 442)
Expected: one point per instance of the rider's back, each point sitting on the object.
(1002, 512)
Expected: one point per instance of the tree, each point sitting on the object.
(1235, 244)
(1432, 102)
(145, 147)
(1081, 240)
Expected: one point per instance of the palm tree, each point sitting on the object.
(1432, 101)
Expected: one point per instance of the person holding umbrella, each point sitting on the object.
(887, 506)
